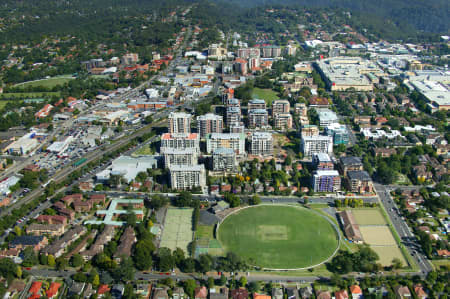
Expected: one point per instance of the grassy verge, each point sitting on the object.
(49, 83)
(28, 95)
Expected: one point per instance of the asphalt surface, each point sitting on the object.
(404, 232)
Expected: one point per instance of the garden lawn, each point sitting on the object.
(267, 94)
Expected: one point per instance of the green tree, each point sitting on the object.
(255, 200)
(76, 260)
(243, 281)
(142, 257)
(30, 258)
(189, 287)
(51, 261)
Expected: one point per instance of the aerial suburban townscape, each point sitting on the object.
(199, 149)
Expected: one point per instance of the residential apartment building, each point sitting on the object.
(209, 123)
(258, 118)
(301, 110)
(179, 122)
(309, 130)
(184, 177)
(237, 128)
(326, 181)
(175, 156)
(234, 141)
(271, 51)
(224, 159)
(282, 121)
(327, 117)
(322, 161)
(246, 53)
(339, 133)
(256, 104)
(350, 163)
(316, 144)
(233, 115)
(180, 141)
(359, 181)
(280, 106)
(261, 144)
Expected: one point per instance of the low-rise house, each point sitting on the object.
(323, 295)
(240, 293)
(201, 293)
(160, 293)
(102, 290)
(356, 292)
(420, 292)
(76, 288)
(38, 229)
(35, 242)
(384, 152)
(117, 291)
(12, 254)
(342, 294)
(178, 293)
(378, 292)
(292, 293)
(86, 186)
(53, 290)
(402, 292)
(306, 292)
(261, 296)
(222, 294)
(144, 290)
(277, 293)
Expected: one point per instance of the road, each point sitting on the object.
(404, 232)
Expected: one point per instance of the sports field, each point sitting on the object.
(368, 217)
(279, 237)
(388, 253)
(377, 235)
(50, 82)
(177, 229)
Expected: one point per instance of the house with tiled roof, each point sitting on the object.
(323, 295)
(240, 293)
(402, 292)
(53, 290)
(201, 293)
(356, 292)
(342, 294)
(261, 296)
(420, 292)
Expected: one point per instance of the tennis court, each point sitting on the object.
(177, 229)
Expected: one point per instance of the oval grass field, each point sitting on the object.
(278, 237)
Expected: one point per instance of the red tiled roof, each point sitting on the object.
(102, 289)
(35, 287)
(53, 289)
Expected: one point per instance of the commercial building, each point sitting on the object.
(128, 167)
(44, 112)
(180, 141)
(234, 141)
(224, 159)
(233, 115)
(187, 156)
(261, 144)
(326, 181)
(282, 121)
(187, 177)
(59, 147)
(342, 73)
(23, 145)
(339, 133)
(258, 118)
(437, 93)
(359, 181)
(327, 117)
(179, 122)
(209, 123)
(6, 184)
(280, 106)
(256, 104)
(322, 161)
(215, 51)
(316, 144)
